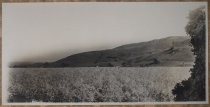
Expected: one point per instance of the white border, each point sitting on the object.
(110, 103)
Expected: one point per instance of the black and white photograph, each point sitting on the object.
(105, 53)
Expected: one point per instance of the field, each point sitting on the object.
(95, 84)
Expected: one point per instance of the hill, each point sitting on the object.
(170, 51)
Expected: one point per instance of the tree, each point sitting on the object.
(156, 61)
(193, 89)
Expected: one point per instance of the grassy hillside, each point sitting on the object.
(170, 51)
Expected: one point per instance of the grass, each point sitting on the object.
(95, 84)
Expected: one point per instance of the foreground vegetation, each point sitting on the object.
(194, 89)
(94, 84)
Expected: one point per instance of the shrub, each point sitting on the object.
(193, 89)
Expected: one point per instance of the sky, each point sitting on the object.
(46, 32)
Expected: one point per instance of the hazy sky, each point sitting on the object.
(35, 32)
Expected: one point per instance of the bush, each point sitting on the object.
(193, 89)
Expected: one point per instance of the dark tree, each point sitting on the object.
(156, 61)
(193, 89)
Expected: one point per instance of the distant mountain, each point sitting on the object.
(170, 51)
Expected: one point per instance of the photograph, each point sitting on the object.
(88, 53)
